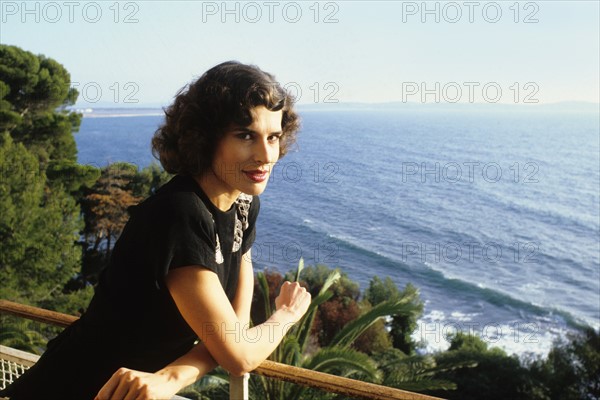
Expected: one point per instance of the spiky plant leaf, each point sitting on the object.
(290, 350)
(425, 385)
(415, 373)
(332, 278)
(304, 326)
(20, 338)
(355, 328)
(342, 362)
(264, 288)
(299, 269)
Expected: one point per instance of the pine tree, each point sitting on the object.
(38, 228)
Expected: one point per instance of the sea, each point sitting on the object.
(493, 213)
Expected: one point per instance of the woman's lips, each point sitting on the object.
(257, 175)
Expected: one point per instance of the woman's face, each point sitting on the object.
(245, 156)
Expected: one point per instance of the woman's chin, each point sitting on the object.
(255, 189)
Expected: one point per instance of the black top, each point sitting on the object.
(132, 320)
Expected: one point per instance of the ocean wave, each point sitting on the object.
(426, 274)
(538, 214)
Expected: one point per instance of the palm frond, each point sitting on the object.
(415, 373)
(333, 277)
(264, 288)
(299, 269)
(290, 350)
(355, 328)
(424, 385)
(26, 339)
(305, 324)
(343, 362)
(338, 361)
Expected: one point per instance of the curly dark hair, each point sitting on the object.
(204, 109)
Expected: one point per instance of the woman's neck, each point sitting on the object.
(220, 194)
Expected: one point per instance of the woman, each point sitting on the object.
(181, 270)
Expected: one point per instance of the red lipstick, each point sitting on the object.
(257, 175)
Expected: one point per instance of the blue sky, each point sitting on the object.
(139, 53)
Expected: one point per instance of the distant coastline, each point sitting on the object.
(102, 111)
(118, 112)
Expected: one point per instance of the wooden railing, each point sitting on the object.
(238, 389)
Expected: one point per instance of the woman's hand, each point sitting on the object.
(294, 299)
(129, 384)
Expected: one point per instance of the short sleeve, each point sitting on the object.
(190, 234)
(250, 232)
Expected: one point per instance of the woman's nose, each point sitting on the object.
(265, 152)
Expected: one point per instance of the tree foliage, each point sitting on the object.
(32, 87)
(106, 204)
(40, 218)
(493, 375)
(33, 83)
(571, 370)
(401, 326)
(416, 373)
(38, 228)
(105, 208)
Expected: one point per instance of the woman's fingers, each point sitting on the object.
(109, 387)
(293, 297)
(129, 387)
(286, 293)
(121, 386)
(129, 384)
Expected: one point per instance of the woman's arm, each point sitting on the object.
(131, 384)
(223, 327)
(242, 301)
(203, 304)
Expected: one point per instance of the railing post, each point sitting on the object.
(238, 387)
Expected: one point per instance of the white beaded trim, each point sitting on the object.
(242, 209)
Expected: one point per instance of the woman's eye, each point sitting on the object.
(244, 136)
(274, 138)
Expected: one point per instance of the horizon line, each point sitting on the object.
(353, 103)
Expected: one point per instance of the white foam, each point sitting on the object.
(522, 338)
